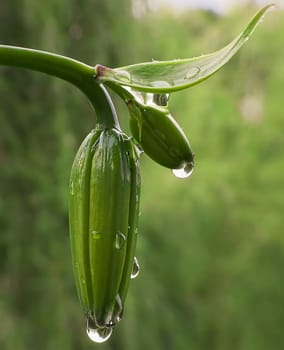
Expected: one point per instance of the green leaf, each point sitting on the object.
(169, 76)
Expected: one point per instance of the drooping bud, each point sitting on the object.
(104, 204)
(159, 135)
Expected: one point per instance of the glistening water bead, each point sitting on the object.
(192, 73)
(161, 99)
(184, 171)
(123, 76)
(135, 269)
(120, 240)
(98, 334)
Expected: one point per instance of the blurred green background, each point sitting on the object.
(211, 247)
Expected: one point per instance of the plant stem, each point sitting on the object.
(66, 68)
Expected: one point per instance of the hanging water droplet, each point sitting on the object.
(120, 240)
(123, 76)
(135, 268)
(97, 334)
(192, 73)
(185, 171)
(138, 95)
(148, 98)
(119, 317)
(96, 234)
(161, 99)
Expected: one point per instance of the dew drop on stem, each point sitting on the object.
(135, 268)
(120, 240)
(119, 310)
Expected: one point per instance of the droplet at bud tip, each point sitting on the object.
(185, 171)
(98, 334)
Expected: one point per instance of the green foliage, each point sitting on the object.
(210, 248)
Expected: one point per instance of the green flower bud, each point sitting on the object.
(160, 136)
(104, 204)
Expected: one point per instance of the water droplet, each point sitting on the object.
(138, 149)
(119, 309)
(71, 189)
(192, 73)
(123, 76)
(135, 269)
(185, 171)
(148, 98)
(116, 313)
(120, 240)
(160, 84)
(138, 95)
(97, 334)
(161, 99)
(96, 234)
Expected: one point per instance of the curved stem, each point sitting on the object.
(46, 62)
(66, 68)
(104, 106)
